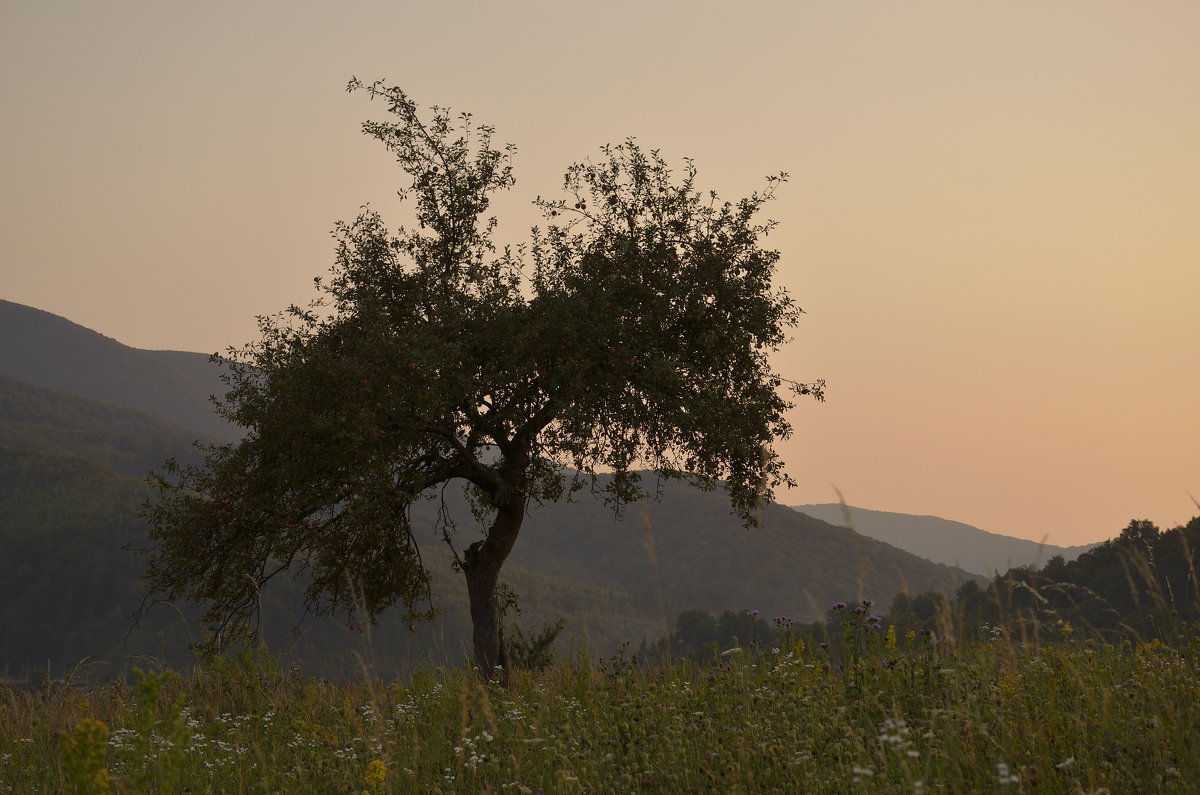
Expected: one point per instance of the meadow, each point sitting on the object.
(886, 711)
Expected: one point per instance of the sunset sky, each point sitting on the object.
(992, 222)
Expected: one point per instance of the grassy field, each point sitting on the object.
(884, 714)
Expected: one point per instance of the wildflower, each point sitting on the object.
(873, 620)
(376, 776)
(868, 602)
(859, 609)
(753, 614)
(890, 646)
(1005, 777)
(838, 606)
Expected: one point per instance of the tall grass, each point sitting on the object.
(883, 714)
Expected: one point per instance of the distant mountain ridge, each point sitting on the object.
(942, 540)
(52, 352)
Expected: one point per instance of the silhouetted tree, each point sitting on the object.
(633, 332)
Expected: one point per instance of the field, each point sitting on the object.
(884, 713)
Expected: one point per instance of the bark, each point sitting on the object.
(481, 567)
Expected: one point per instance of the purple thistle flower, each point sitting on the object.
(753, 614)
(859, 609)
(868, 602)
(838, 606)
(873, 619)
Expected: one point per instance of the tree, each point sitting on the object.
(696, 631)
(632, 332)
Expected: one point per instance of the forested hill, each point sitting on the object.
(47, 420)
(68, 588)
(83, 418)
(52, 352)
(702, 556)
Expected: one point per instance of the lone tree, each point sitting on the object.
(633, 332)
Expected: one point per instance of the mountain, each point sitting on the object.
(702, 556)
(47, 420)
(52, 352)
(69, 587)
(83, 418)
(941, 540)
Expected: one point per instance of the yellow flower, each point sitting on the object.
(376, 775)
(893, 651)
(84, 751)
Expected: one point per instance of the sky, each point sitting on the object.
(991, 220)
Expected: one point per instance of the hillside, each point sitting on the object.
(942, 540)
(69, 589)
(792, 565)
(52, 352)
(83, 418)
(50, 421)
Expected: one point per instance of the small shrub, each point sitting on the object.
(534, 653)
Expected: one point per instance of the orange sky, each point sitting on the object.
(992, 220)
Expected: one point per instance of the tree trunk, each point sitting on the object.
(481, 567)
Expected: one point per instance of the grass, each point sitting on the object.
(886, 714)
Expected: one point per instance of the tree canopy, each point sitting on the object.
(632, 332)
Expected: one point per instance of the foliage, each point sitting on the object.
(535, 653)
(84, 751)
(1138, 586)
(938, 717)
(634, 330)
(698, 633)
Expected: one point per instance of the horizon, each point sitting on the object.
(989, 221)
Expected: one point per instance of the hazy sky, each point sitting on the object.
(993, 218)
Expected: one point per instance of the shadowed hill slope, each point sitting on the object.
(703, 557)
(81, 413)
(49, 421)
